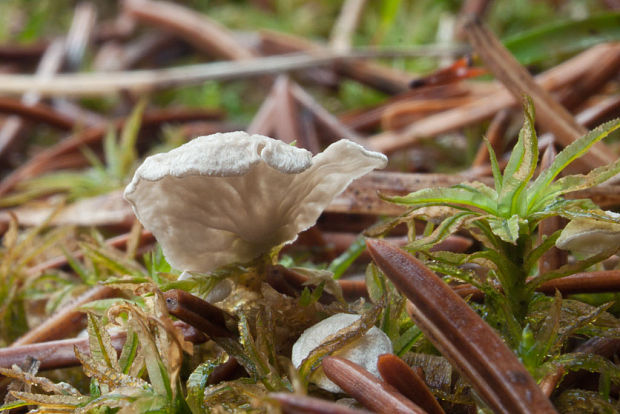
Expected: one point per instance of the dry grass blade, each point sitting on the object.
(202, 32)
(324, 116)
(519, 82)
(374, 75)
(487, 106)
(408, 382)
(50, 63)
(61, 354)
(286, 128)
(52, 354)
(373, 393)
(142, 81)
(461, 335)
(200, 314)
(301, 404)
(495, 133)
(344, 28)
(66, 321)
(37, 112)
(117, 242)
(41, 162)
(587, 282)
(107, 209)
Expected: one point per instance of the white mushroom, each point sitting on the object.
(228, 198)
(364, 351)
(589, 236)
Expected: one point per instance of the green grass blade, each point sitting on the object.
(129, 352)
(520, 168)
(100, 344)
(578, 182)
(341, 263)
(446, 228)
(575, 150)
(453, 196)
(560, 39)
(111, 153)
(127, 146)
(497, 174)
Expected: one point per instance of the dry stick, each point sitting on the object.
(39, 163)
(50, 64)
(114, 57)
(377, 76)
(550, 114)
(472, 346)
(324, 116)
(361, 195)
(37, 113)
(606, 109)
(60, 354)
(549, 382)
(199, 313)
(66, 320)
(202, 32)
(308, 130)
(343, 29)
(373, 393)
(264, 119)
(141, 81)
(408, 382)
(468, 9)
(495, 133)
(401, 114)
(587, 282)
(604, 196)
(487, 106)
(22, 53)
(79, 34)
(71, 49)
(297, 404)
(371, 117)
(592, 81)
(286, 127)
(119, 28)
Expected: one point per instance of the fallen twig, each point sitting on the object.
(296, 404)
(518, 81)
(67, 320)
(200, 314)
(472, 346)
(199, 30)
(487, 106)
(408, 382)
(37, 113)
(61, 354)
(373, 393)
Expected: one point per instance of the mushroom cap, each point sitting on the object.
(365, 351)
(230, 197)
(588, 236)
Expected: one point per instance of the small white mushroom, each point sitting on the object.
(364, 351)
(588, 236)
(227, 198)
